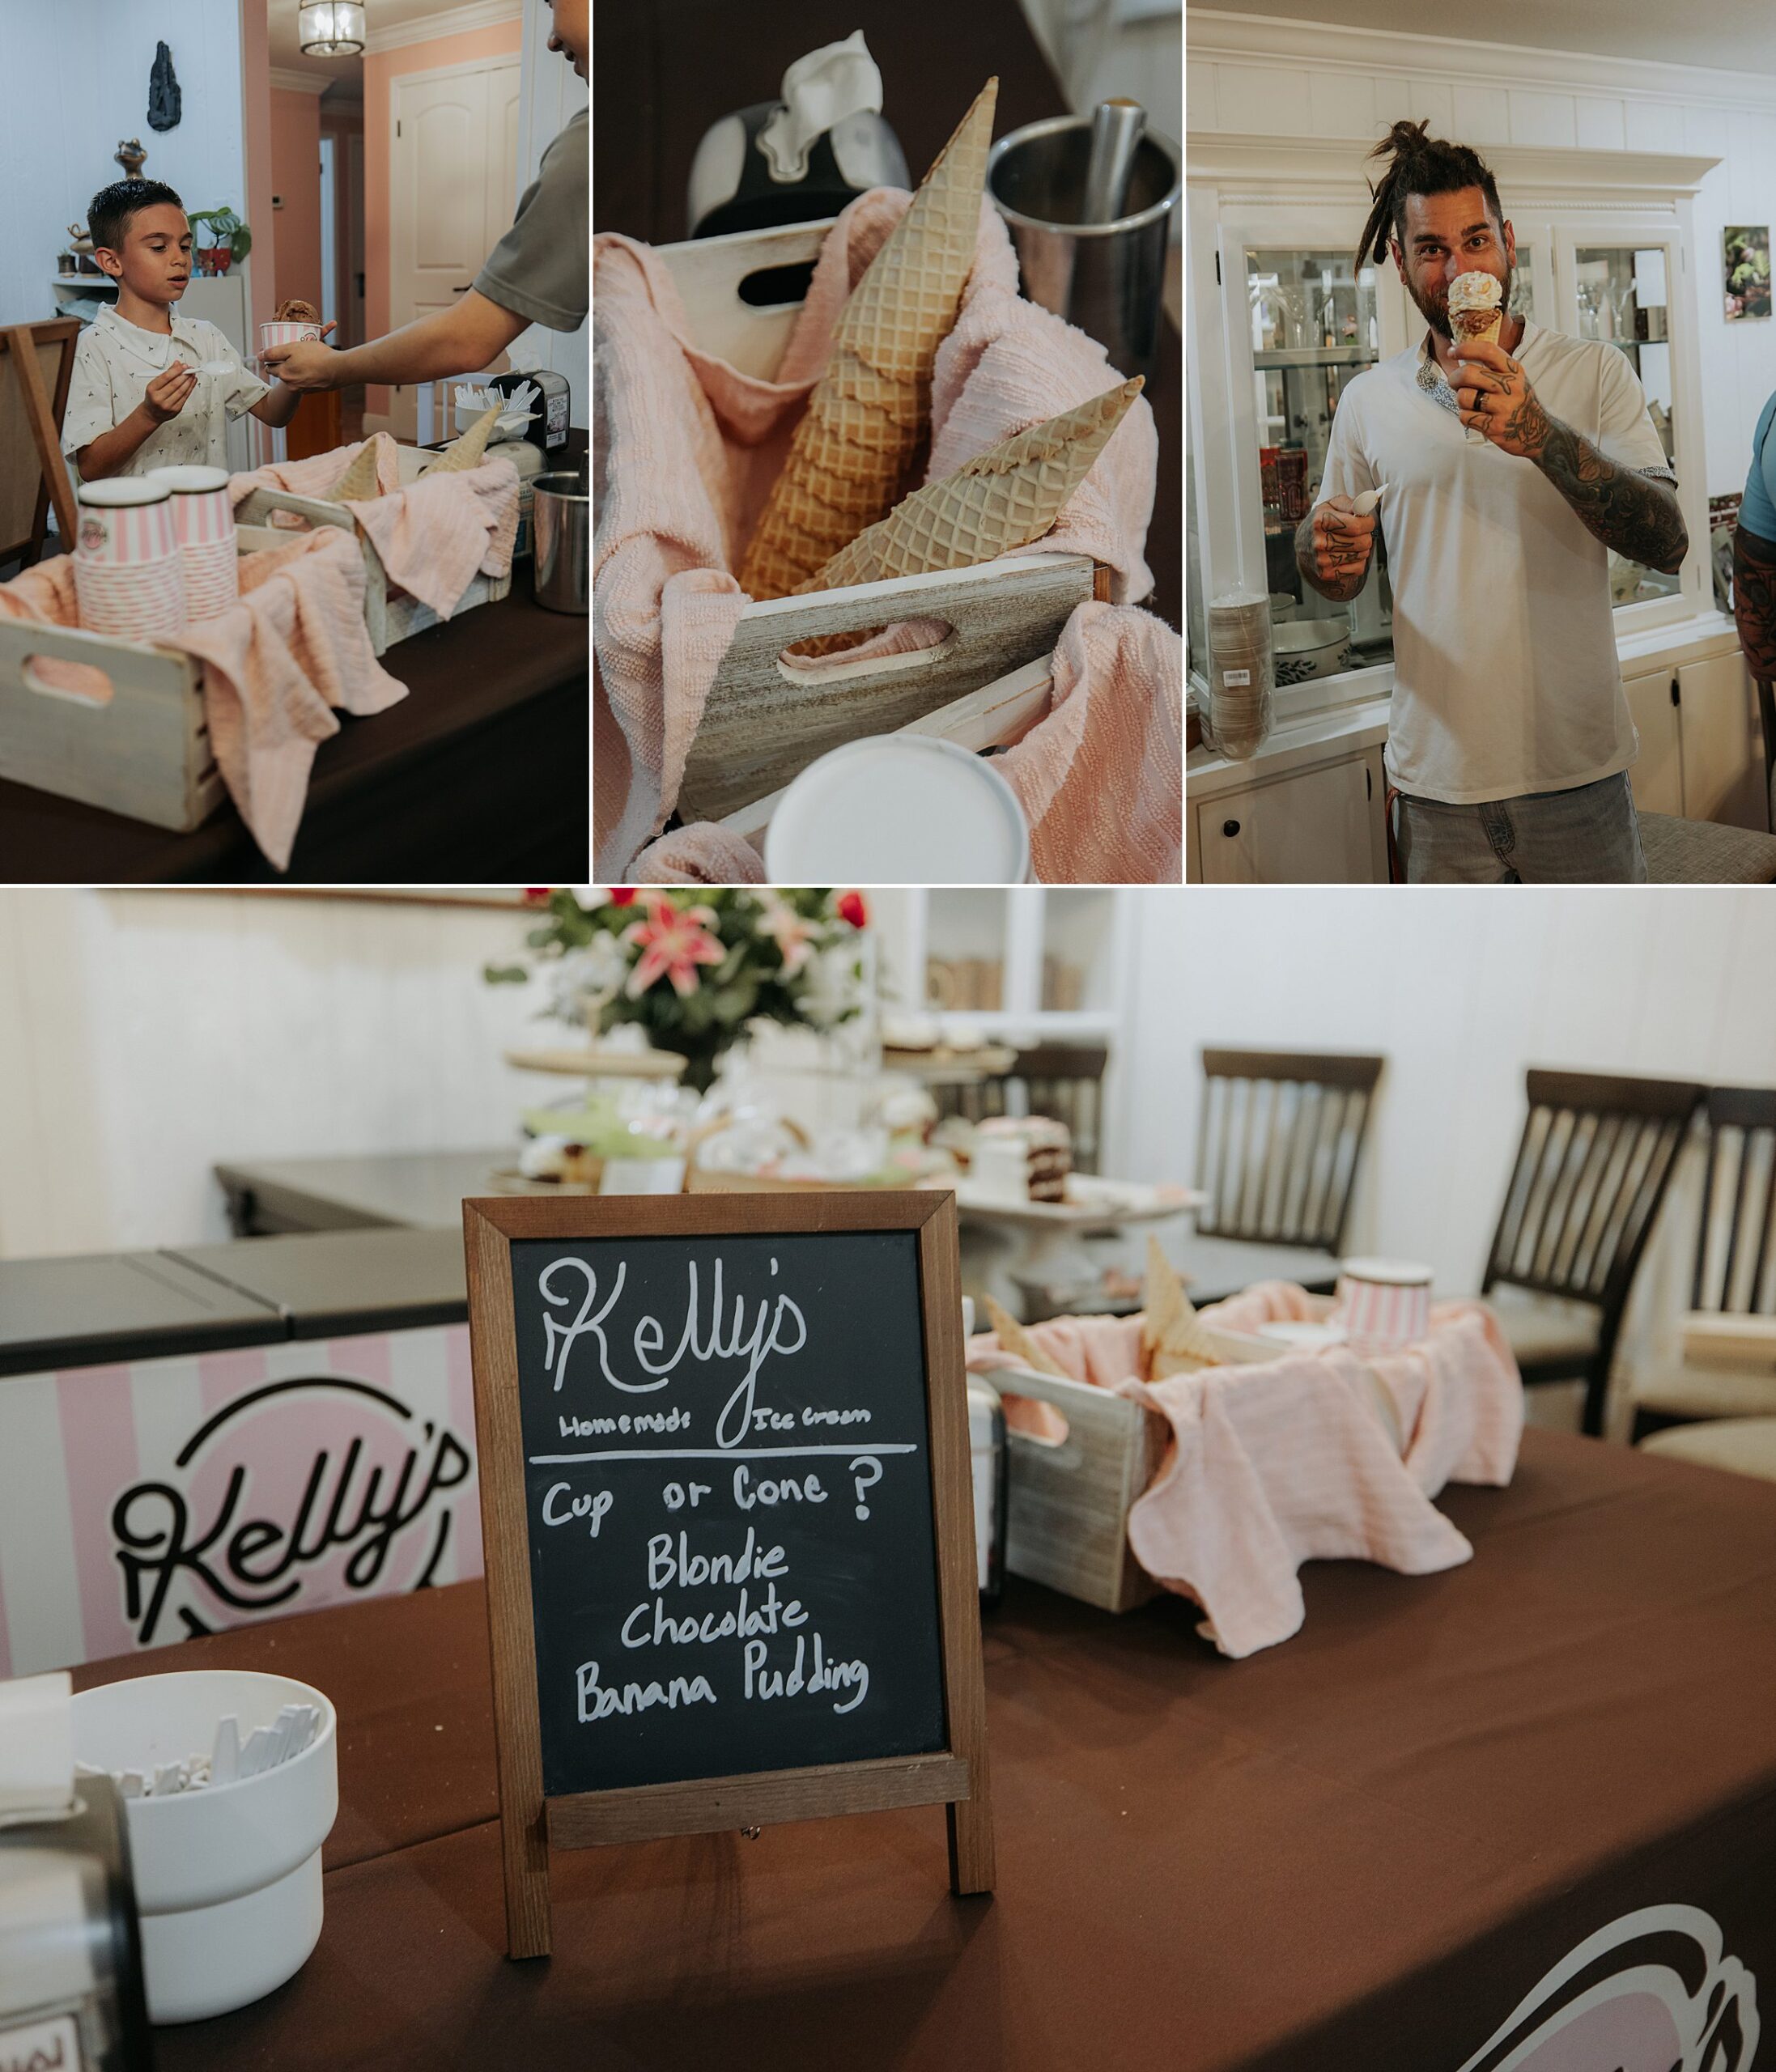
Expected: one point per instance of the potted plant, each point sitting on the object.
(693, 968)
(230, 239)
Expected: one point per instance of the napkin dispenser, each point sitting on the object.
(548, 426)
(799, 158)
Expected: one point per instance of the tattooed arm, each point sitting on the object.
(1333, 547)
(1637, 515)
(1754, 601)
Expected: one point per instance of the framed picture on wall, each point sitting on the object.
(1745, 269)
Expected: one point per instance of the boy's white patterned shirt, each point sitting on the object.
(115, 361)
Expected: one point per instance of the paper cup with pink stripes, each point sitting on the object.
(1383, 1302)
(125, 519)
(203, 520)
(286, 334)
(131, 601)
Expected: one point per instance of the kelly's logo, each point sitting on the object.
(321, 1488)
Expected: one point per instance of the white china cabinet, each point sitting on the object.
(1282, 321)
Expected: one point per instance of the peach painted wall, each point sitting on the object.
(380, 69)
(295, 176)
(255, 109)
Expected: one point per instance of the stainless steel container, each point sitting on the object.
(1107, 279)
(561, 523)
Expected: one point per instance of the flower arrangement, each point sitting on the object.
(694, 967)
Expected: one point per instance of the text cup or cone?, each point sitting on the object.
(871, 408)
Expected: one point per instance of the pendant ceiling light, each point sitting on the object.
(330, 28)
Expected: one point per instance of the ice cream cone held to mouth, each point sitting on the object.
(1476, 314)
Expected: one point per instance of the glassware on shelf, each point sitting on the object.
(1622, 292)
(1296, 399)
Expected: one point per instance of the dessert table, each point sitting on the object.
(1365, 1847)
(478, 776)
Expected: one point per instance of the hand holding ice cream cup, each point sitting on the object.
(295, 323)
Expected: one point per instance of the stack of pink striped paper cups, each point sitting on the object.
(203, 523)
(1383, 1304)
(127, 571)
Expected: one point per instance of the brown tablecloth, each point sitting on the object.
(665, 69)
(1360, 1848)
(478, 776)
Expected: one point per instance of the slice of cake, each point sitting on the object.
(1022, 1158)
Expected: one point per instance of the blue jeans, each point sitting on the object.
(1589, 835)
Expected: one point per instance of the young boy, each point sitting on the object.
(151, 389)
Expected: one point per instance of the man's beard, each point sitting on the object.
(1437, 314)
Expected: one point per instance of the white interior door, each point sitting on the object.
(454, 152)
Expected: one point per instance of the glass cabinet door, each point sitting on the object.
(1623, 301)
(1316, 326)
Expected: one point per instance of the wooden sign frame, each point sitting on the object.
(955, 1776)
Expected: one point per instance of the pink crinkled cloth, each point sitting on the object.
(1293, 1460)
(686, 449)
(278, 666)
(433, 536)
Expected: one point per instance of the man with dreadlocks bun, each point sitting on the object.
(1508, 739)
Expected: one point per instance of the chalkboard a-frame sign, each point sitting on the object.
(727, 1520)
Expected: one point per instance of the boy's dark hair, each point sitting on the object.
(112, 207)
(1420, 163)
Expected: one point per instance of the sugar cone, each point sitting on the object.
(1014, 1340)
(871, 409)
(358, 483)
(468, 452)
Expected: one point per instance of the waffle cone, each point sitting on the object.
(1000, 500)
(1476, 327)
(358, 483)
(470, 450)
(871, 408)
(1172, 1340)
(1017, 1341)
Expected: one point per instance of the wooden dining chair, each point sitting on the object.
(1735, 1274)
(36, 363)
(1065, 1081)
(1279, 1147)
(1595, 1159)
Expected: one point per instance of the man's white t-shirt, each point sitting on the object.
(115, 360)
(1506, 679)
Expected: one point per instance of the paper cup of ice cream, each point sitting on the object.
(286, 334)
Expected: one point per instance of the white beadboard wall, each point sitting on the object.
(143, 1036)
(78, 82)
(1265, 75)
(1460, 989)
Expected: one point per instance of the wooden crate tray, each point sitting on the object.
(764, 720)
(390, 614)
(997, 715)
(144, 752)
(1068, 1504)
